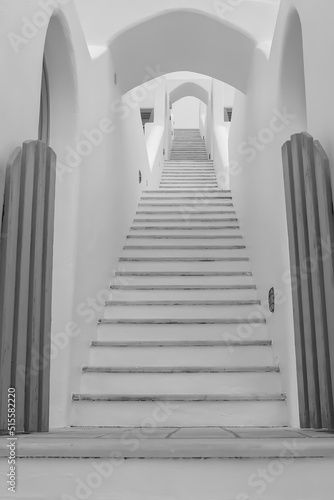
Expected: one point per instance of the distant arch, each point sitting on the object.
(189, 89)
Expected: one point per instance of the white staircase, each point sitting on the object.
(184, 330)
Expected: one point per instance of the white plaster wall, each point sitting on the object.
(258, 181)
(97, 190)
(222, 97)
(89, 227)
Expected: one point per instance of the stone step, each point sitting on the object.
(183, 214)
(201, 231)
(185, 266)
(203, 192)
(188, 239)
(196, 310)
(183, 197)
(152, 381)
(248, 410)
(187, 206)
(182, 278)
(177, 222)
(184, 252)
(126, 331)
(169, 354)
(165, 292)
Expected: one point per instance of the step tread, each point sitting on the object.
(182, 343)
(227, 321)
(185, 237)
(185, 247)
(182, 287)
(183, 273)
(181, 219)
(222, 191)
(184, 259)
(180, 397)
(172, 303)
(180, 369)
(182, 228)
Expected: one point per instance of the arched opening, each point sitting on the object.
(185, 50)
(59, 62)
(186, 113)
(62, 120)
(292, 75)
(189, 89)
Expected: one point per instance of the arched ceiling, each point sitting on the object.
(182, 41)
(215, 38)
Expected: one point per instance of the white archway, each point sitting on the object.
(189, 89)
(182, 40)
(292, 74)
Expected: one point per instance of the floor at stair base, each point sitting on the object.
(190, 356)
(306, 479)
(182, 332)
(180, 414)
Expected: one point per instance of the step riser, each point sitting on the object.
(183, 294)
(188, 383)
(188, 193)
(186, 241)
(191, 206)
(180, 312)
(189, 231)
(181, 216)
(260, 414)
(188, 184)
(184, 221)
(185, 266)
(182, 280)
(178, 356)
(186, 210)
(229, 333)
(147, 253)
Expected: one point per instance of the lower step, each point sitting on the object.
(187, 332)
(169, 354)
(260, 412)
(209, 383)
